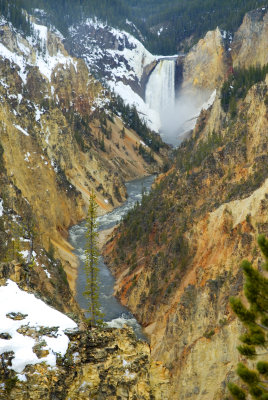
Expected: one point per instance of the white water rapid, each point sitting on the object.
(116, 315)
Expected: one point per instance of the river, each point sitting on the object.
(116, 315)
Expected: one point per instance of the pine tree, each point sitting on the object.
(255, 340)
(123, 133)
(91, 266)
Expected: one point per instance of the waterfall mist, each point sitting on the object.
(180, 119)
(177, 111)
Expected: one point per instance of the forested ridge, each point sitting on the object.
(164, 26)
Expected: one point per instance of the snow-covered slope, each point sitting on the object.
(27, 323)
(44, 50)
(118, 59)
(115, 54)
(19, 51)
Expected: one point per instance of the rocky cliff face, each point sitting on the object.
(118, 59)
(206, 64)
(111, 54)
(190, 236)
(209, 62)
(249, 46)
(59, 139)
(104, 364)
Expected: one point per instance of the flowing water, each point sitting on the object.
(160, 89)
(115, 314)
(161, 97)
(177, 110)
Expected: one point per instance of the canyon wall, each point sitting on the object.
(176, 258)
(249, 46)
(190, 236)
(206, 64)
(99, 363)
(60, 138)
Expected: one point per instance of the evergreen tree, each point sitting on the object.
(91, 266)
(255, 320)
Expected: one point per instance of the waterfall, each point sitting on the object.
(160, 89)
(177, 110)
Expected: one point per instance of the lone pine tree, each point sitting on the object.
(255, 340)
(91, 292)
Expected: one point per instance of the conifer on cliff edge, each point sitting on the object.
(255, 340)
(92, 254)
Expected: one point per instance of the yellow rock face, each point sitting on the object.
(250, 45)
(205, 66)
(193, 332)
(107, 364)
(56, 149)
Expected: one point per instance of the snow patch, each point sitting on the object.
(22, 377)
(26, 158)
(43, 60)
(137, 56)
(1, 208)
(143, 144)
(41, 31)
(16, 59)
(25, 50)
(160, 31)
(25, 254)
(210, 101)
(125, 363)
(47, 273)
(4, 84)
(150, 116)
(129, 375)
(40, 12)
(48, 63)
(21, 130)
(37, 314)
(38, 113)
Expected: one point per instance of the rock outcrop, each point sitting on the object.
(104, 364)
(249, 46)
(210, 61)
(206, 64)
(111, 54)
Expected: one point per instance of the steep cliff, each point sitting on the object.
(249, 46)
(60, 137)
(116, 58)
(209, 62)
(176, 257)
(111, 54)
(45, 354)
(206, 64)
